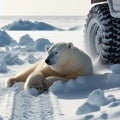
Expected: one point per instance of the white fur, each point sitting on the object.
(64, 61)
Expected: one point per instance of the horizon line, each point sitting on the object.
(30, 16)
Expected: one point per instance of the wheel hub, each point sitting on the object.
(95, 37)
(98, 41)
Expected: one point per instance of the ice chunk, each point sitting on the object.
(104, 116)
(87, 108)
(114, 104)
(88, 117)
(97, 98)
(111, 98)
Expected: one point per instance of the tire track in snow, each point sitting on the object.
(38, 108)
(56, 107)
(18, 104)
(6, 104)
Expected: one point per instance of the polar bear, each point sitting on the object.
(64, 62)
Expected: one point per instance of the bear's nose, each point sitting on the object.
(47, 61)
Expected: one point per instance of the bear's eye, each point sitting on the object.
(56, 52)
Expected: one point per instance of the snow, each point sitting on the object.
(87, 97)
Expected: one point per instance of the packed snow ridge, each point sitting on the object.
(90, 83)
(28, 25)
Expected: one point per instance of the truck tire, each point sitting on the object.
(102, 34)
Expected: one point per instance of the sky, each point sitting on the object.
(43, 7)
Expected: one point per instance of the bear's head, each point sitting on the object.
(58, 54)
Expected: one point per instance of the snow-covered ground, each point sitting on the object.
(94, 97)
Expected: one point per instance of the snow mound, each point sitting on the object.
(13, 43)
(56, 86)
(25, 40)
(29, 45)
(104, 116)
(87, 108)
(97, 98)
(114, 77)
(113, 101)
(31, 59)
(111, 98)
(12, 59)
(5, 39)
(75, 28)
(71, 84)
(28, 25)
(114, 104)
(116, 68)
(88, 117)
(83, 84)
(40, 44)
(3, 68)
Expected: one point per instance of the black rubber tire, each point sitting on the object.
(102, 34)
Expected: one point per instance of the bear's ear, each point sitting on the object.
(47, 47)
(70, 45)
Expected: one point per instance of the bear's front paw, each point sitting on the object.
(34, 82)
(10, 82)
(34, 85)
